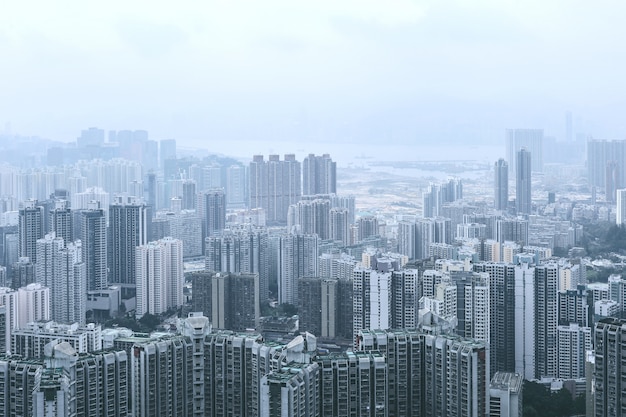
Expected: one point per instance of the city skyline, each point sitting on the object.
(312, 209)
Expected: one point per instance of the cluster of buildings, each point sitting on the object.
(201, 371)
(443, 312)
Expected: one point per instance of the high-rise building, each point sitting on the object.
(60, 268)
(310, 305)
(297, 258)
(532, 140)
(346, 202)
(606, 157)
(406, 238)
(4, 330)
(274, 186)
(20, 307)
(617, 291)
(83, 199)
(612, 181)
(342, 395)
(30, 229)
(525, 335)
(69, 285)
(501, 185)
(511, 230)
(523, 201)
(505, 395)
(415, 237)
(61, 220)
(546, 319)
(473, 304)
(620, 216)
(416, 383)
(405, 295)
(330, 308)
(189, 196)
(151, 191)
(161, 378)
(212, 209)
(244, 250)
(339, 225)
(609, 371)
(33, 304)
(160, 279)
(310, 217)
(22, 272)
(201, 282)
(48, 247)
(510, 250)
(186, 226)
(236, 187)
(90, 137)
(459, 357)
(128, 228)
(30, 340)
(93, 236)
(319, 175)
(150, 155)
(114, 176)
(8, 318)
(502, 314)
(574, 307)
(292, 391)
(367, 226)
(573, 342)
(371, 299)
(64, 383)
(234, 301)
(167, 150)
(436, 195)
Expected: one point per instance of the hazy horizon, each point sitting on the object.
(400, 72)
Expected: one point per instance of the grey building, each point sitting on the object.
(61, 220)
(609, 370)
(310, 305)
(93, 236)
(502, 315)
(532, 140)
(128, 228)
(501, 185)
(319, 175)
(212, 210)
(235, 301)
(241, 250)
(30, 228)
(274, 186)
(523, 182)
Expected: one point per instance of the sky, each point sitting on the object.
(327, 71)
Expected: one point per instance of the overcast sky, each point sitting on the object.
(331, 70)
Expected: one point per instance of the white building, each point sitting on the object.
(572, 343)
(160, 279)
(620, 217)
(371, 299)
(606, 308)
(59, 266)
(22, 306)
(33, 304)
(30, 340)
(525, 320)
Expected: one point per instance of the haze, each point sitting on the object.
(393, 72)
